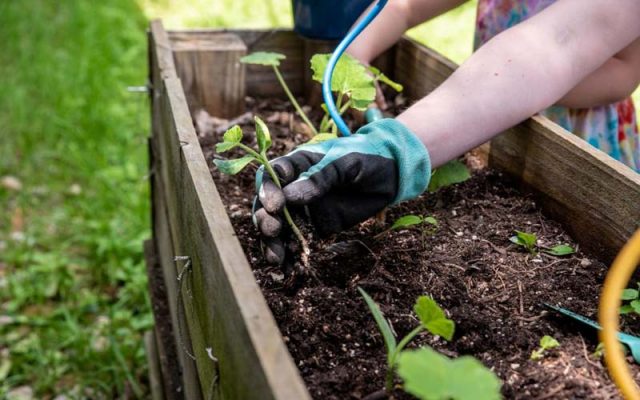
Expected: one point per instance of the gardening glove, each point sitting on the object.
(340, 182)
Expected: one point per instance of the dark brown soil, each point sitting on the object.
(493, 290)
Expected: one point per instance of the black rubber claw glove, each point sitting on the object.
(340, 182)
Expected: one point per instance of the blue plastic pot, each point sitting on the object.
(326, 19)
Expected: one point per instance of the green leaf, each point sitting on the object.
(350, 77)
(225, 146)
(433, 317)
(429, 375)
(232, 167)
(233, 135)
(321, 137)
(635, 304)
(547, 342)
(629, 294)
(527, 240)
(378, 75)
(431, 221)
(263, 58)
(560, 250)
(262, 135)
(626, 309)
(537, 354)
(407, 221)
(383, 325)
(448, 174)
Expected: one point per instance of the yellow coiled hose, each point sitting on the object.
(616, 281)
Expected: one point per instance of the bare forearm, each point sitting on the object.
(396, 18)
(520, 72)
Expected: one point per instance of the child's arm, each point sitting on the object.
(395, 19)
(520, 72)
(615, 80)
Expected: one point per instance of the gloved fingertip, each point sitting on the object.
(274, 251)
(271, 197)
(268, 224)
(301, 192)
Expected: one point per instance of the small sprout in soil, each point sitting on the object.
(273, 60)
(353, 82)
(598, 352)
(408, 221)
(546, 343)
(448, 174)
(232, 139)
(429, 375)
(632, 299)
(530, 242)
(426, 373)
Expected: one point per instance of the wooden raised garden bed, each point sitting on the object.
(215, 335)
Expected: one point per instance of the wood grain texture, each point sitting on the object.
(226, 312)
(596, 197)
(260, 80)
(155, 376)
(211, 72)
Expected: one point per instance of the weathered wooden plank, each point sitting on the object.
(211, 72)
(168, 364)
(229, 316)
(155, 376)
(260, 80)
(596, 197)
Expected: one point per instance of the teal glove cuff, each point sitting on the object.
(394, 140)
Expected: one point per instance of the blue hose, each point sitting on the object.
(328, 73)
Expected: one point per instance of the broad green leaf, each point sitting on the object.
(431, 221)
(433, 317)
(560, 250)
(448, 174)
(383, 325)
(349, 77)
(225, 146)
(385, 79)
(429, 375)
(635, 304)
(528, 240)
(262, 135)
(322, 137)
(233, 135)
(263, 58)
(407, 221)
(547, 342)
(232, 167)
(629, 294)
(626, 309)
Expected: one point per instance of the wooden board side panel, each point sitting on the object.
(227, 315)
(260, 80)
(593, 195)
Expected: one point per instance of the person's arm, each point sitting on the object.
(615, 80)
(520, 72)
(395, 19)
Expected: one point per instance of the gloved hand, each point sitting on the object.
(341, 182)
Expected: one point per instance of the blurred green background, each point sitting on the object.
(74, 188)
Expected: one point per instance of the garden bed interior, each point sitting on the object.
(253, 336)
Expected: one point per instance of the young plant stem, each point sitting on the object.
(294, 102)
(394, 354)
(296, 231)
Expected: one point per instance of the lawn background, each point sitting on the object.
(74, 194)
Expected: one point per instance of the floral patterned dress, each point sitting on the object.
(612, 128)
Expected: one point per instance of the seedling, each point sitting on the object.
(598, 353)
(232, 139)
(530, 242)
(427, 374)
(353, 82)
(273, 60)
(546, 343)
(408, 221)
(448, 174)
(632, 297)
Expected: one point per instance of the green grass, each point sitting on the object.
(73, 301)
(73, 289)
